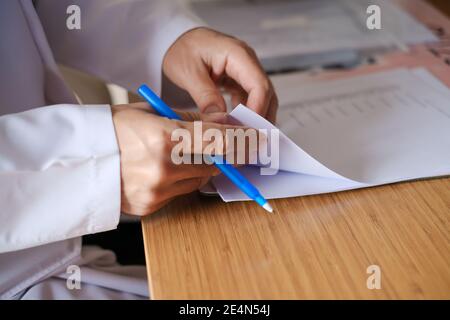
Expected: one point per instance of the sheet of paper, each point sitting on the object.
(362, 131)
(283, 28)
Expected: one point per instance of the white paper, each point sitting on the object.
(358, 132)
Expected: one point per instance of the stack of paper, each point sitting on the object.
(358, 132)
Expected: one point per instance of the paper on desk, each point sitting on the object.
(352, 133)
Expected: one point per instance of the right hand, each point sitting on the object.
(149, 178)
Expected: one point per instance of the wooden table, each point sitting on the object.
(315, 247)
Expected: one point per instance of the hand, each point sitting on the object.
(149, 177)
(202, 61)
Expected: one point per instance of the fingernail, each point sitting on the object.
(212, 109)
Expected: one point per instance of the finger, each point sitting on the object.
(184, 187)
(191, 170)
(238, 95)
(203, 90)
(243, 66)
(273, 108)
(189, 185)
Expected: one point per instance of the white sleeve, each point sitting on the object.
(123, 42)
(59, 175)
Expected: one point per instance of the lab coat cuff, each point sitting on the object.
(105, 150)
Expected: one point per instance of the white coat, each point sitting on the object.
(59, 161)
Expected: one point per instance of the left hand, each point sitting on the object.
(149, 176)
(202, 61)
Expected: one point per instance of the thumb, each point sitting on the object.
(204, 91)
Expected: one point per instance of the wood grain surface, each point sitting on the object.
(314, 247)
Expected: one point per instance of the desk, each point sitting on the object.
(314, 247)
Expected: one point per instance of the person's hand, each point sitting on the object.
(203, 61)
(149, 177)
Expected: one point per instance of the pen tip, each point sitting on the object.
(268, 207)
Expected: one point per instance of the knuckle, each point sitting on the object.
(245, 48)
(242, 44)
(266, 85)
(208, 95)
(235, 41)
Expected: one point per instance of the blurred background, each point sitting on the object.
(91, 90)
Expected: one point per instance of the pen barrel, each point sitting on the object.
(160, 106)
(238, 179)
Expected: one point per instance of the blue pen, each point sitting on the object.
(231, 172)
